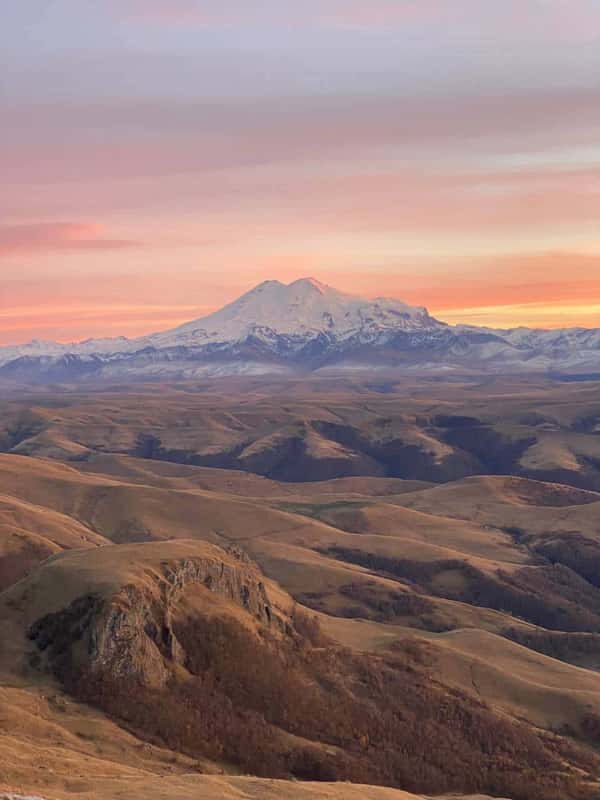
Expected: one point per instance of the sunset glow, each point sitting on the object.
(159, 158)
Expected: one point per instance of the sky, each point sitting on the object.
(160, 157)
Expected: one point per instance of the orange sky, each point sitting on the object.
(160, 158)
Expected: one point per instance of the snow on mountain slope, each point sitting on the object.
(561, 348)
(38, 348)
(305, 325)
(300, 310)
(562, 338)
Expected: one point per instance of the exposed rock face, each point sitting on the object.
(11, 796)
(130, 634)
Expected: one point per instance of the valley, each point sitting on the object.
(347, 576)
(299, 400)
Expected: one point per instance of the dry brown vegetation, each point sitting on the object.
(461, 605)
(297, 706)
(576, 648)
(552, 597)
(323, 429)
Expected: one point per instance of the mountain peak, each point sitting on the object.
(265, 285)
(306, 322)
(299, 312)
(311, 284)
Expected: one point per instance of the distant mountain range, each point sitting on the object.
(306, 326)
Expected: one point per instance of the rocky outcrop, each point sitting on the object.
(130, 633)
(11, 796)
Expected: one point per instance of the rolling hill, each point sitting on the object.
(178, 577)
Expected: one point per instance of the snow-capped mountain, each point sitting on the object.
(40, 348)
(279, 328)
(300, 311)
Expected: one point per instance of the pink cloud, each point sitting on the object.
(541, 21)
(266, 132)
(98, 305)
(552, 21)
(385, 12)
(41, 237)
(160, 11)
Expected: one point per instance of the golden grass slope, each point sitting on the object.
(107, 509)
(202, 787)
(69, 509)
(168, 475)
(196, 787)
(512, 679)
(58, 748)
(539, 428)
(507, 502)
(124, 512)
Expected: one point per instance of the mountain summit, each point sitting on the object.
(305, 326)
(298, 310)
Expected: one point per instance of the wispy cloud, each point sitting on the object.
(44, 237)
(520, 279)
(136, 139)
(544, 20)
(170, 11)
(364, 141)
(536, 315)
(549, 21)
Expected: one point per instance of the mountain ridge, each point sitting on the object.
(306, 326)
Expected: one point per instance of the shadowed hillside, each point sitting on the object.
(190, 649)
(311, 431)
(431, 626)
